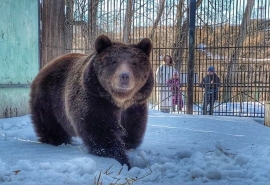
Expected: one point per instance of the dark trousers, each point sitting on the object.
(208, 99)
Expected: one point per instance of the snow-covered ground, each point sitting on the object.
(250, 109)
(177, 149)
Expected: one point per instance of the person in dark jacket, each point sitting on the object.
(211, 84)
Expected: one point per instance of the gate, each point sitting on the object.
(231, 35)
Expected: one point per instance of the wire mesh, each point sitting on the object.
(231, 35)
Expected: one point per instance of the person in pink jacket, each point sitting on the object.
(175, 88)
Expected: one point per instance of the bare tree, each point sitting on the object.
(92, 23)
(128, 21)
(181, 33)
(157, 20)
(69, 24)
(237, 49)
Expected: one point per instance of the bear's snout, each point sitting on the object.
(124, 78)
(123, 81)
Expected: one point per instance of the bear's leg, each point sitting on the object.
(103, 135)
(47, 127)
(134, 120)
(109, 146)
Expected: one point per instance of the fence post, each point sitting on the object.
(191, 46)
(267, 113)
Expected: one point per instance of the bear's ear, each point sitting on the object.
(102, 42)
(145, 45)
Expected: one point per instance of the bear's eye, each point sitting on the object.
(134, 64)
(114, 62)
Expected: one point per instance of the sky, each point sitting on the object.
(177, 149)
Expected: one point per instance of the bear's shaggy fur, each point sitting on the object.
(101, 98)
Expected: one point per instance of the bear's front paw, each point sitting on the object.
(125, 162)
(115, 152)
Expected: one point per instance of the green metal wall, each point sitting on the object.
(19, 54)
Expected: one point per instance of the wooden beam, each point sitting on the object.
(52, 30)
(267, 113)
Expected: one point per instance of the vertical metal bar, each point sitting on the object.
(191, 46)
(39, 33)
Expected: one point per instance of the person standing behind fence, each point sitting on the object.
(163, 74)
(210, 83)
(175, 87)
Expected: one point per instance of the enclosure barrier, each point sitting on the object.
(231, 35)
(267, 114)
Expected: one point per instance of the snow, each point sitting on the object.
(251, 109)
(177, 149)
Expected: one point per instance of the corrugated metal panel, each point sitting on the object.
(19, 53)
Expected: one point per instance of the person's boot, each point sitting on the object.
(162, 110)
(204, 112)
(165, 110)
(179, 108)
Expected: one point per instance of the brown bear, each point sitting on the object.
(101, 98)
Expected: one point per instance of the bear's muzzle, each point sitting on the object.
(124, 79)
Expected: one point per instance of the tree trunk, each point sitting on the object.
(69, 25)
(92, 24)
(128, 20)
(157, 20)
(52, 34)
(229, 80)
(181, 35)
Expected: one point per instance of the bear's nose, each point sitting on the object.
(124, 78)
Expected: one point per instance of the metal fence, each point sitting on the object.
(231, 35)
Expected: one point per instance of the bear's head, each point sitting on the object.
(121, 70)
